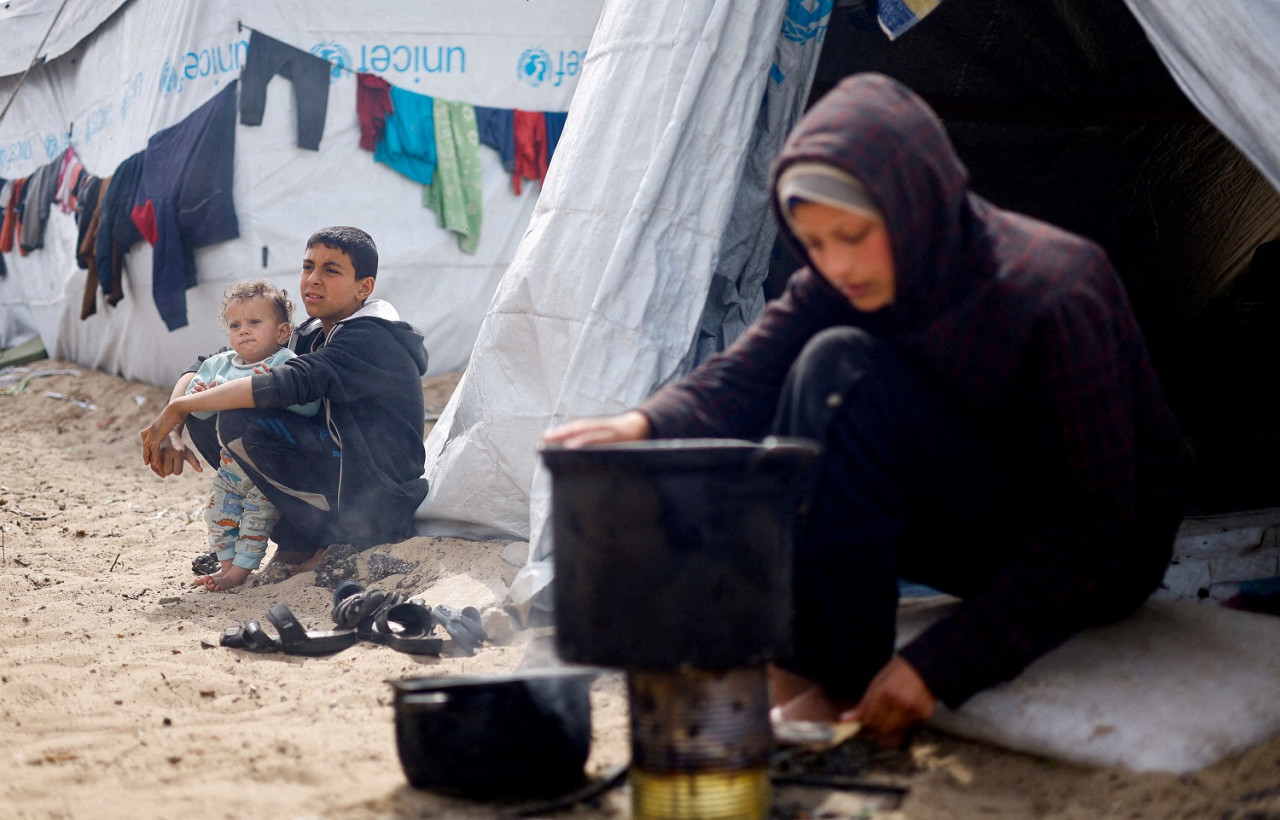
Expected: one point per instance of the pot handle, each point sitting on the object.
(430, 700)
(784, 451)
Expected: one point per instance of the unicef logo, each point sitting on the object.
(335, 53)
(806, 19)
(170, 80)
(534, 67)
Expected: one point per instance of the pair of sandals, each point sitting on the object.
(406, 626)
(364, 614)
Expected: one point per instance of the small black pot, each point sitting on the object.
(506, 736)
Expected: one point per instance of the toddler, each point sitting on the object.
(257, 316)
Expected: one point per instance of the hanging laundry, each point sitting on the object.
(455, 194)
(9, 230)
(409, 144)
(268, 57)
(530, 129)
(117, 233)
(87, 196)
(555, 126)
(373, 106)
(498, 132)
(184, 200)
(41, 189)
(86, 250)
(20, 212)
(6, 191)
(68, 179)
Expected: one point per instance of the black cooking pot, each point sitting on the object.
(521, 735)
(674, 552)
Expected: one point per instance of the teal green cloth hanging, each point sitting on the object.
(455, 193)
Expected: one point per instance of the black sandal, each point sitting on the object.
(352, 604)
(293, 638)
(403, 626)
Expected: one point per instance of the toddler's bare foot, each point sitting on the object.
(223, 580)
(230, 578)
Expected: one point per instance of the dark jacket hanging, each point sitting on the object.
(116, 231)
(184, 199)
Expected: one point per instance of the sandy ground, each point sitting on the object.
(116, 701)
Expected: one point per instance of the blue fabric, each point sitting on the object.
(897, 16)
(187, 175)
(409, 144)
(497, 130)
(555, 126)
(117, 233)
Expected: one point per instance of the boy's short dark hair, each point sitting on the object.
(242, 291)
(355, 243)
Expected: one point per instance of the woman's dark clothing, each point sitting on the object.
(1053, 499)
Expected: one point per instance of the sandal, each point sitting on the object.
(463, 626)
(405, 627)
(352, 604)
(251, 636)
(293, 638)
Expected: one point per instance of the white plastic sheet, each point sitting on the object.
(26, 23)
(1224, 57)
(1176, 687)
(155, 62)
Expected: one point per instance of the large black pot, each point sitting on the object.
(674, 552)
(522, 735)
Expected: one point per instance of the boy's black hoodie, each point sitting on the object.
(368, 373)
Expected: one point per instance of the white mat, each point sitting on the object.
(1175, 688)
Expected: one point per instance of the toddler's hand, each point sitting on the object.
(198, 385)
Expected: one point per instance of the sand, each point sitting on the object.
(116, 700)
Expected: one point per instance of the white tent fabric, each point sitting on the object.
(66, 22)
(603, 299)
(155, 62)
(1224, 57)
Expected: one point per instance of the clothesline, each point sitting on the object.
(434, 141)
(240, 26)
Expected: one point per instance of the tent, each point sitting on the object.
(110, 75)
(1146, 126)
(641, 257)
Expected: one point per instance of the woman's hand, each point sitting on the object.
(897, 699)
(629, 426)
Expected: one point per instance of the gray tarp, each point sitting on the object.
(1224, 56)
(25, 23)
